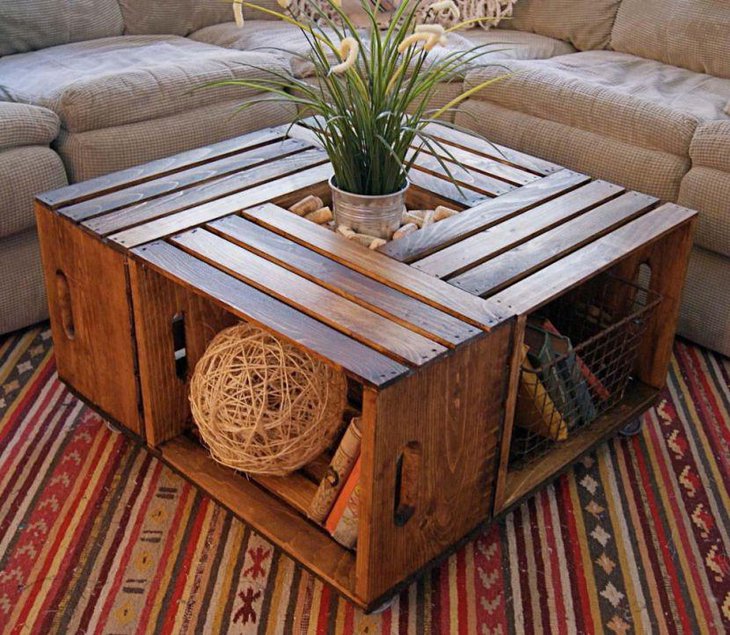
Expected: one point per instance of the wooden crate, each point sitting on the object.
(145, 266)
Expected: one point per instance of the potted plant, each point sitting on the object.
(370, 107)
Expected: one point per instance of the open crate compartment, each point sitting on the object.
(579, 355)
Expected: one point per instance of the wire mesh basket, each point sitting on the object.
(578, 359)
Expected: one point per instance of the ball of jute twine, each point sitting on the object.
(264, 406)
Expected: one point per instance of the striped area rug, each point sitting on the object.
(98, 537)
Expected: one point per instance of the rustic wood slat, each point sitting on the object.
(310, 298)
(484, 165)
(492, 150)
(523, 260)
(481, 217)
(361, 362)
(265, 171)
(397, 275)
(183, 178)
(139, 174)
(220, 207)
(475, 249)
(445, 188)
(341, 279)
(473, 183)
(538, 289)
(273, 518)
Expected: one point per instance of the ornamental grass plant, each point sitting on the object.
(371, 106)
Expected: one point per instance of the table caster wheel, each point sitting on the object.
(632, 429)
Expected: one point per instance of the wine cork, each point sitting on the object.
(428, 218)
(307, 205)
(378, 242)
(321, 216)
(442, 212)
(345, 231)
(414, 217)
(409, 228)
(364, 239)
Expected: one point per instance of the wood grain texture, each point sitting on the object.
(361, 362)
(310, 298)
(221, 207)
(394, 274)
(77, 192)
(164, 186)
(452, 411)
(272, 518)
(345, 281)
(477, 248)
(483, 216)
(474, 144)
(157, 300)
(524, 259)
(262, 171)
(99, 361)
(476, 185)
(538, 289)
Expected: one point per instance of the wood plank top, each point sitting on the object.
(209, 219)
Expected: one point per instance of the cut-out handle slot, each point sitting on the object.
(178, 345)
(408, 468)
(63, 293)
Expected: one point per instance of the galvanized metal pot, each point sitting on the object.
(378, 216)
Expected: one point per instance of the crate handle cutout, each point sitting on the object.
(178, 345)
(63, 292)
(407, 469)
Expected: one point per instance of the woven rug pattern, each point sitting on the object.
(96, 536)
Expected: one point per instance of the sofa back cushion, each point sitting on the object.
(31, 25)
(172, 17)
(586, 24)
(692, 34)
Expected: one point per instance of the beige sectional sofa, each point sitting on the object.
(633, 91)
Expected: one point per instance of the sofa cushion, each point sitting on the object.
(707, 186)
(172, 17)
(114, 81)
(637, 101)
(25, 172)
(258, 35)
(24, 125)
(692, 34)
(27, 26)
(586, 24)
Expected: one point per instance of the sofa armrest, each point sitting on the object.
(25, 125)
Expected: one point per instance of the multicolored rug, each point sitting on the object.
(98, 537)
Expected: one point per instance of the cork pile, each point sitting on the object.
(313, 208)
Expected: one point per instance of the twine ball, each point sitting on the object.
(264, 406)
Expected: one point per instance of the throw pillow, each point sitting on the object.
(493, 11)
(305, 10)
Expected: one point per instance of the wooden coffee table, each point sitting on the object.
(145, 266)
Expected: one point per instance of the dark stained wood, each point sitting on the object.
(77, 192)
(492, 150)
(310, 298)
(456, 435)
(505, 444)
(220, 207)
(509, 233)
(545, 285)
(272, 518)
(524, 259)
(97, 354)
(157, 300)
(445, 188)
(521, 483)
(345, 281)
(483, 216)
(199, 174)
(476, 185)
(394, 274)
(361, 362)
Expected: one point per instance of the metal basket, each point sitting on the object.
(599, 327)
